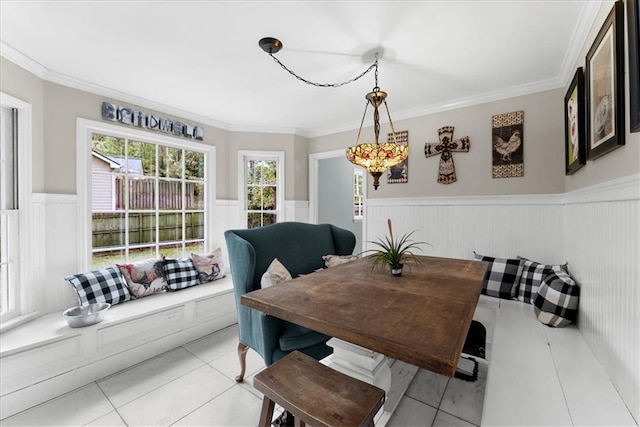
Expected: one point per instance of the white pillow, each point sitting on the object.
(333, 260)
(275, 274)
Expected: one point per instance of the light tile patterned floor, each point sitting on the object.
(193, 385)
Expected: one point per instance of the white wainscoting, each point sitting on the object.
(503, 226)
(602, 238)
(596, 230)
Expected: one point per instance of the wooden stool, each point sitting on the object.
(316, 394)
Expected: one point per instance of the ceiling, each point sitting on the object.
(201, 59)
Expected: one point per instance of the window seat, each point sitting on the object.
(44, 358)
(539, 375)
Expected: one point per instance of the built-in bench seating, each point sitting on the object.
(542, 376)
(45, 358)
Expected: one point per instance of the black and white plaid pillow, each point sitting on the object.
(100, 286)
(180, 274)
(502, 277)
(531, 278)
(557, 301)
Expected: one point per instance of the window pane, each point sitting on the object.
(139, 254)
(170, 227)
(254, 220)
(194, 247)
(195, 195)
(108, 229)
(109, 146)
(170, 194)
(142, 194)
(254, 198)
(194, 165)
(173, 251)
(269, 198)
(142, 159)
(269, 172)
(194, 225)
(269, 219)
(4, 288)
(142, 228)
(170, 162)
(107, 258)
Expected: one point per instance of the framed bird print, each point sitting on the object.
(507, 135)
(605, 86)
(574, 136)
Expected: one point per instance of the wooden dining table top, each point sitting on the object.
(421, 318)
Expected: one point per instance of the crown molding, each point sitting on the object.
(269, 129)
(578, 40)
(22, 60)
(483, 98)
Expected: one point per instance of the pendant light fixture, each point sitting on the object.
(374, 157)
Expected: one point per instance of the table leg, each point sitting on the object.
(374, 368)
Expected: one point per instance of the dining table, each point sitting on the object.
(420, 318)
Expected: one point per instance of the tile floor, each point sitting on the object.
(193, 385)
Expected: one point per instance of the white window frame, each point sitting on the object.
(243, 157)
(84, 129)
(24, 302)
(358, 198)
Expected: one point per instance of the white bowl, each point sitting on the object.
(85, 315)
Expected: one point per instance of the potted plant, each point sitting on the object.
(395, 252)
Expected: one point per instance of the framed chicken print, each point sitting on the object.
(605, 86)
(507, 135)
(574, 136)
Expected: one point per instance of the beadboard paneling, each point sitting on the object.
(601, 244)
(457, 226)
(595, 229)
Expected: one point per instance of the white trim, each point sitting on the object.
(279, 156)
(26, 299)
(84, 129)
(516, 199)
(22, 60)
(578, 38)
(627, 188)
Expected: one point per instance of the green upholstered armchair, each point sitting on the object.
(300, 248)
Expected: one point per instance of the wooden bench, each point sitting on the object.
(316, 394)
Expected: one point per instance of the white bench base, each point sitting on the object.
(545, 376)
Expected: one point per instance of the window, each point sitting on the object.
(358, 194)
(262, 189)
(149, 195)
(9, 256)
(16, 304)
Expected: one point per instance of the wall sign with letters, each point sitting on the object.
(129, 116)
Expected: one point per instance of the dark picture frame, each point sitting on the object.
(633, 30)
(604, 81)
(574, 126)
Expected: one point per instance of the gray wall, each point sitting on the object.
(543, 149)
(335, 196)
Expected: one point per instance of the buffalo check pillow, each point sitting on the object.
(100, 286)
(502, 277)
(556, 303)
(180, 274)
(531, 278)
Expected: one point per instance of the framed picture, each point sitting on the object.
(633, 29)
(574, 136)
(605, 86)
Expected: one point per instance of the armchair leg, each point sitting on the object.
(242, 356)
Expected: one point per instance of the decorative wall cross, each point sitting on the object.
(446, 170)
